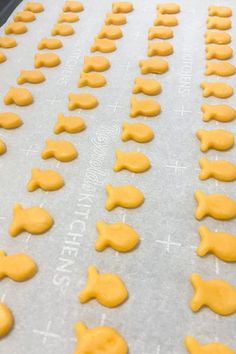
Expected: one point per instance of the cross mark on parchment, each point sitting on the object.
(29, 150)
(47, 333)
(182, 110)
(176, 167)
(168, 243)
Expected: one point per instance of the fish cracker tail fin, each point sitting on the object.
(80, 329)
(192, 345)
(202, 136)
(118, 165)
(88, 292)
(201, 209)
(205, 111)
(58, 127)
(204, 245)
(136, 88)
(133, 107)
(205, 170)
(209, 52)
(101, 241)
(21, 78)
(82, 80)
(208, 70)
(110, 202)
(2, 257)
(197, 299)
(125, 135)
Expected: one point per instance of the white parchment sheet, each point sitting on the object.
(156, 317)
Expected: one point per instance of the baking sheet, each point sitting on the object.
(156, 317)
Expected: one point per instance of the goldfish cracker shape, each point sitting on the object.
(220, 112)
(10, 120)
(221, 11)
(103, 45)
(108, 289)
(115, 19)
(215, 51)
(159, 48)
(30, 76)
(216, 294)
(126, 196)
(47, 180)
(119, 236)
(216, 89)
(194, 347)
(81, 100)
(97, 63)
(217, 37)
(99, 340)
(34, 220)
(165, 20)
(71, 124)
(139, 132)
(221, 170)
(3, 147)
(18, 266)
(219, 68)
(15, 28)
(218, 206)
(122, 7)
(160, 32)
(144, 107)
(67, 17)
(49, 43)
(19, 96)
(2, 57)
(217, 139)
(62, 29)
(24, 16)
(61, 150)
(6, 320)
(132, 161)
(218, 23)
(153, 66)
(35, 7)
(73, 6)
(221, 244)
(110, 32)
(149, 87)
(7, 42)
(48, 60)
(168, 8)
(94, 80)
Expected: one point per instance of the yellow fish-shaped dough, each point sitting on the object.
(165, 20)
(6, 320)
(139, 132)
(94, 80)
(47, 180)
(31, 77)
(62, 29)
(221, 52)
(7, 42)
(194, 347)
(3, 57)
(221, 11)
(168, 8)
(119, 236)
(126, 196)
(160, 33)
(91, 340)
(110, 32)
(218, 23)
(144, 107)
(61, 150)
(122, 7)
(67, 17)
(115, 19)
(217, 139)
(48, 60)
(217, 37)
(216, 89)
(221, 244)
(216, 294)
(73, 6)
(70, 124)
(97, 63)
(24, 16)
(221, 170)
(160, 48)
(34, 220)
(3, 147)
(220, 112)
(218, 206)
(153, 66)
(81, 100)
(149, 87)
(15, 28)
(219, 68)
(19, 96)
(103, 45)
(35, 7)
(108, 289)
(132, 161)
(18, 266)
(10, 120)
(49, 43)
